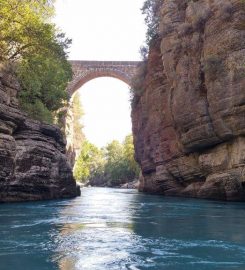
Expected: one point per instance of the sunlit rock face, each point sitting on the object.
(33, 165)
(189, 124)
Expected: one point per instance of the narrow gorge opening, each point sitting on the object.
(99, 132)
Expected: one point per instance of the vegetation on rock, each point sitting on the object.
(31, 44)
(151, 10)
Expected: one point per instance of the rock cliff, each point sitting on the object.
(189, 123)
(33, 165)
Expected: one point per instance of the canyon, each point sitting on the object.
(189, 119)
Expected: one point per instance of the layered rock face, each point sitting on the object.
(189, 124)
(33, 165)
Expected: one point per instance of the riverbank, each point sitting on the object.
(128, 185)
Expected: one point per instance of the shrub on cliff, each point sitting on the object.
(151, 10)
(33, 45)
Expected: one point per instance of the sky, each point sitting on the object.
(103, 30)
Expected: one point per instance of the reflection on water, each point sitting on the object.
(121, 229)
(102, 230)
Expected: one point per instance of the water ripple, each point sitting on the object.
(120, 229)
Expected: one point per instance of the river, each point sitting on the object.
(107, 229)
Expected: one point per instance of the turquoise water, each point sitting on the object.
(107, 229)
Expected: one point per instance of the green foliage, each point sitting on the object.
(43, 79)
(132, 165)
(151, 10)
(121, 166)
(33, 45)
(77, 112)
(115, 166)
(22, 27)
(90, 162)
(112, 165)
(77, 108)
(38, 111)
(60, 119)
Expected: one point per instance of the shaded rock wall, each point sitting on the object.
(33, 165)
(189, 124)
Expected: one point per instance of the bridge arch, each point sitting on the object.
(84, 71)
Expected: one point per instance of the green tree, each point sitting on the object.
(151, 10)
(36, 49)
(112, 166)
(22, 26)
(90, 162)
(132, 165)
(120, 166)
(77, 112)
(115, 165)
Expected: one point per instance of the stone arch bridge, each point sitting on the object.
(84, 71)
